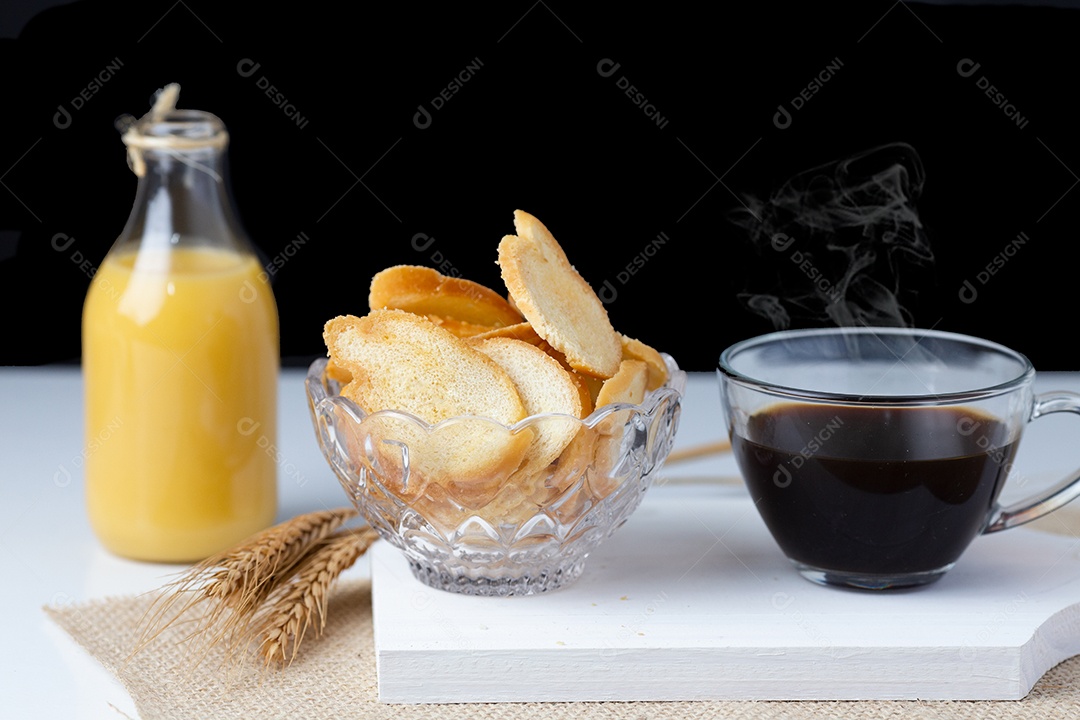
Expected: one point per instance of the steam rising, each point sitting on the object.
(837, 238)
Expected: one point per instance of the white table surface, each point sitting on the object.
(49, 555)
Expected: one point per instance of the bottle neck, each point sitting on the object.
(182, 198)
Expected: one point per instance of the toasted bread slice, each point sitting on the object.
(585, 389)
(634, 349)
(399, 360)
(561, 306)
(402, 361)
(626, 386)
(528, 226)
(587, 385)
(545, 387)
(426, 291)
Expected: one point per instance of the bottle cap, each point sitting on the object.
(166, 128)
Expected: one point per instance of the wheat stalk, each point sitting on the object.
(231, 587)
(301, 604)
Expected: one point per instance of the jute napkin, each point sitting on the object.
(334, 677)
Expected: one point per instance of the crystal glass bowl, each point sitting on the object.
(492, 528)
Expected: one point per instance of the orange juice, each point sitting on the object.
(180, 363)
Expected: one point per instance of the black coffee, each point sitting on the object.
(870, 489)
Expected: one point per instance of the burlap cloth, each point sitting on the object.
(334, 676)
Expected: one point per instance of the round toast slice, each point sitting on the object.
(425, 291)
(628, 385)
(634, 349)
(544, 387)
(402, 361)
(561, 306)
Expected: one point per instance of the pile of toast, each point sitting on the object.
(441, 348)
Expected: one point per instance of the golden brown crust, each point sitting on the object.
(426, 291)
(634, 349)
(625, 386)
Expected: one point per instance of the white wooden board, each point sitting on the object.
(691, 600)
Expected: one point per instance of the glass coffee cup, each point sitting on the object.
(876, 455)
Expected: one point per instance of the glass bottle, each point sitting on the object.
(180, 356)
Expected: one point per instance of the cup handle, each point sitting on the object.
(1024, 511)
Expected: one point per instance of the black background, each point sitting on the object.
(542, 123)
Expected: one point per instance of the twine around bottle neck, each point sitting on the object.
(137, 140)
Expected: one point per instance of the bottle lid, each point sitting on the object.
(166, 128)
